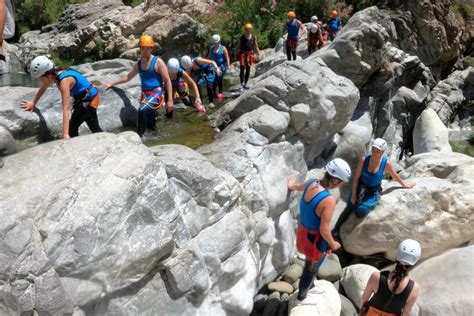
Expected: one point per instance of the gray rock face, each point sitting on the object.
(430, 134)
(442, 200)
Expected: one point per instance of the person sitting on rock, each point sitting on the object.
(70, 83)
(153, 74)
(334, 25)
(180, 81)
(367, 183)
(205, 70)
(293, 27)
(315, 39)
(313, 235)
(393, 293)
(247, 46)
(220, 55)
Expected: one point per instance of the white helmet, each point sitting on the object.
(40, 65)
(215, 38)
(380, 144)
(314, 28)
(340, 169)
(314, 18)
(173, 65)
(409, 252)
(186, 62)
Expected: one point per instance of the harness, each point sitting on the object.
(148, 98)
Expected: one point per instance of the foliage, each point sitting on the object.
(463, 8)
(132, 3)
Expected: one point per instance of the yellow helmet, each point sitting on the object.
(291, 14)
(248, 26)
(146, 41)
(334, 13)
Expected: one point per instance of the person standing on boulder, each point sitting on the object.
(366, 187)
(180, 81)
(153, 74)
(205, 70)
(313, 235)
(247, 46)
(315, 38)
(334, 25)
(70, 83)
(293, 27)
(393, 293)
(220, 55)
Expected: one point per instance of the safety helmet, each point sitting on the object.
(146, 41)
(409, 252)
(380, 144)
(340, 169)
(173, 65)
(334, 13)
(186, 62)
(291, 14)
(248, 26)
(215, 38)
(313, 28)
(40, 65)
(314, 18)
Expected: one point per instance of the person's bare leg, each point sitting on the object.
(3, 18)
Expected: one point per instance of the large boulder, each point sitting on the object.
(430, 134)
(442, 200)
(322, 300)
(354, 281)
(457, 268)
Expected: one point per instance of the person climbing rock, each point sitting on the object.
(313, 235)
(392, 293)
(153, 75)
(204, 71)
(220, 55)
(293, 26)
(334, 25)
(366, 187)
(315, 38)
(247, 46)
(180, 82)
(70, 83)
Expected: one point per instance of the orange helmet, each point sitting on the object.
(146, 41)
(291, 14)
(248, 26)
(334, 13)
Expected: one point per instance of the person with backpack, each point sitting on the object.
(393, 293)
(246, 48)
(70, 83)
(313, 235)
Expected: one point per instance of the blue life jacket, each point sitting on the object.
(82, 88)
(293, 28)
(308, 217)
(219, 56)
(149, 78)
(334, 24)
(372, 181)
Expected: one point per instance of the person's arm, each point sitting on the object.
(133, 72)
(411, 300)
(227, 59)
(397, 178)
(210, 62)
(328, 205)
(209, 55)
(294, 185)
(355, 181)
(3, 19)
(64, 88)
(256, 46)
(30, 105)
(371, 287)
(192, 83)
(160, 68)
(302, 28)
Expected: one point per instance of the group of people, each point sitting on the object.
(160, 83)
(318, 34)
(387, 293)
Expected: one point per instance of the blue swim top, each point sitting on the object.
(369, 179)
(308, 217)
(218, 56)
(293, 28)
(334, 24)
(150, 79)
(81, 86)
